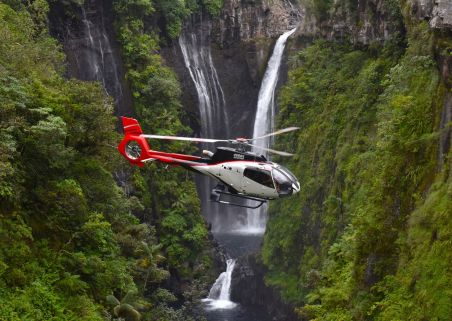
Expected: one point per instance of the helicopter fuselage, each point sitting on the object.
(249, 174)
(245, 174)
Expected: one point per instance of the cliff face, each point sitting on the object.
(240, 41)
(357, 242)
(89, 42)
(248, 288)
(250, 20)
(363, 23)
(371, 20)
(438, 13)
(380, 21)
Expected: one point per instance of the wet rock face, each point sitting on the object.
(248, 288)
(219, 255)
(240, 41)
(372, 20)
(367, 22)
(87, 34)
(235, 78)
(248, 20)
(437, 12)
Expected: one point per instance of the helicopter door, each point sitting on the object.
(258, 182)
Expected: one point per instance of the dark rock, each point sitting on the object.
(89, 42)
(218, 254)
(370, 21)
(250, 20)
(248, 288)
(240, 41)
(437, 12)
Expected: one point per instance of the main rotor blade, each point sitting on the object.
(278, 152)
(281, 131)
(189, 139)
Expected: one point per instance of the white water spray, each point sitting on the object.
(219, 295)
(256, 219)
(264, 121)
(198, 60)
(214, 123)
(97, 61)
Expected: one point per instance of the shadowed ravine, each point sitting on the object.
(246, 226)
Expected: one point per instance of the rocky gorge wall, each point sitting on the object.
(338, 271)
(240, 41)
(362, 25)
(248, 288)
(88, 36)
(438, 13)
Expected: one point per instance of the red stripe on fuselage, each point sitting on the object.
(233, 161)
(171, 158)
(173, 155)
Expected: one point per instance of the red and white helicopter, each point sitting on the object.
(241, 174)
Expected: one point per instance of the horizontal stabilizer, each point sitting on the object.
(131, 126)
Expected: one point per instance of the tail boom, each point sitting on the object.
(136, 150)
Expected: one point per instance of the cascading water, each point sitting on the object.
(198, 60)
(102, 65)
(264, 123)
(91, 55)
(195, 47)
(194, 43)
(219, 295)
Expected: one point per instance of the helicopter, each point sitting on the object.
(241, 174)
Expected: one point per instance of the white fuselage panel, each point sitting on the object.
(231, 173)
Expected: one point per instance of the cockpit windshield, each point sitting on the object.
(288, 173)
(282, 182)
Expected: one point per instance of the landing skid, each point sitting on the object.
(219, 191)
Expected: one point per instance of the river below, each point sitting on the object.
(238, 313)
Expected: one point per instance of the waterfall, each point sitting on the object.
(264, 123)
(219, 294)
(91, 55)
(198, 61)
(195, 47)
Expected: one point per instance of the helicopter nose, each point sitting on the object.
(296, 187)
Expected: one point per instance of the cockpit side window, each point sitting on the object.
(259, 176)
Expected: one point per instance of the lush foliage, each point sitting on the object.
(74, 245)
(172, 12)
(367, 236)
(170, 194)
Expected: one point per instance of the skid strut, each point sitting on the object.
(219, 191)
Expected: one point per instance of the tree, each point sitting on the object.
(125, 308)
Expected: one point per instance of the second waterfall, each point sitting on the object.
(194, 44)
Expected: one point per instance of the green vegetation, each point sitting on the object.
(367, 238)
(156, 92)
(73, 245)
(173, 12)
